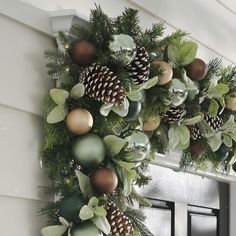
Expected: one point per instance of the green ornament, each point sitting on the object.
(222, 153)
(134, 110)
(86, 229)
(138, 146)
(70, 206)
(123, 48)
(89, 150)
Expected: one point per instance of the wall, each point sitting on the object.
(24, 84)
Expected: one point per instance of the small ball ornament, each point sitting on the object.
(231, 102)
(89, 150)
(222, 153)
(123, 48)
(104, 180)
(70, 206)
(83, 52)
(86, 229)
(196, 70)
(152, 123)
(138, 146)
(134, 109)
(79, 121)
(166, 72)
(196, 149)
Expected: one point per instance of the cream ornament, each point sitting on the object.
(152, 123)
(167, 72)
(231, 102)
(79, 121)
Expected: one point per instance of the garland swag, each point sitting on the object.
(124, 95)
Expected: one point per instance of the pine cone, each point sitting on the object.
(102, 84)
(214, 122)
(174, 114)
(195, 132)
(139, 68)
(120, 224)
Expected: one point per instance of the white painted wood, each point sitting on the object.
(232, 209)
(20, 217)
(26, 14)
(20, 142)
(24, 80)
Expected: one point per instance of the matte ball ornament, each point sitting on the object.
(166, 72)
(222, 153)
(134, 109)
(138, 146)
(70, 206)
(123, 48)
(196, 149)
(152, 123)
(79, 121)
(83, 52)
(234, 166)
(196, 70)
(89, 150)
(104, 180)
(86, 229)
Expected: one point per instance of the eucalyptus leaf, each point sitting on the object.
(187, 53)
(114, 144)
(213, 108)
(102, 223)
(54, 230)
(122, 109)
(147, 85)
(64, 222)
(126, 165)
(86, 213)
(99, 211)
(194, 120)
(184, 134)
(106, 108)
(93, 202)
(57, 114)
(77, 91)
(173, 137)
(69, 232)
(227, 141)
(215, 142)
(173, 53)
(135, 96)
(84, 184)
(59, 96)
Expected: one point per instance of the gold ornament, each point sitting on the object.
(152, 123)
(167, 72)
(231, 102)
(79, 121)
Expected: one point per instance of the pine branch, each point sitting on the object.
(140, 199)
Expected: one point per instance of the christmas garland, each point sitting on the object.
(126, 94)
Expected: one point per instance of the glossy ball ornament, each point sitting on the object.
(152, 123)
(196, 70)
(86, 229)
(89, 150)
(104, 180)
(234, 166)
(138, 146)
(134, 109)
(70, 206)
(196, 149)
(83, 52)
(79, 121)
(222, 153)
(231, 102)
(123, 48)
(167, 72)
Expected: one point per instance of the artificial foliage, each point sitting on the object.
(125, 94)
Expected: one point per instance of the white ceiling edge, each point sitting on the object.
(230, 5)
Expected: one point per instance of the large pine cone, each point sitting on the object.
(139, 68)
(120, 224)
(174, 114)
(102, 84)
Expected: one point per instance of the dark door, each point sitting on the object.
(186, 205)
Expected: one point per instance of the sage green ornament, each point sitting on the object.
(138, 146)
(70, 206)
(177, 92)
(86, 229)
(123, 48)
(89, 150)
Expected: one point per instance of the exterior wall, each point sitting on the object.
(24, 84)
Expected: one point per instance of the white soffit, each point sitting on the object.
(211, 22)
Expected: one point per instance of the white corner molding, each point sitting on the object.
(26, 14)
